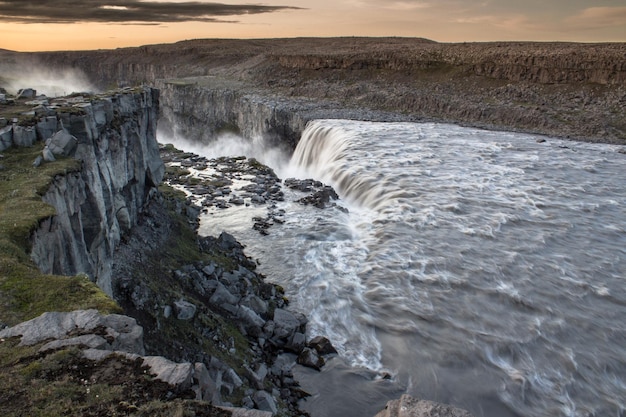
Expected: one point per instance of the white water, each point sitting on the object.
(482, 269)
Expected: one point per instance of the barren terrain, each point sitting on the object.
(564, 89)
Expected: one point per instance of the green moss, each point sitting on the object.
(62, 383)
(24, 291)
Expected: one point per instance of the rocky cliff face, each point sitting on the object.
(121, 165)
(201, 112)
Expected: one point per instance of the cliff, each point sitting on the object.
(563, 89)
(96, 206)
(86, 204)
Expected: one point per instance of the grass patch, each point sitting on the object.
(62, 383)
(24, 291)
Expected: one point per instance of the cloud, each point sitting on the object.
(123, 11)
(598, 17)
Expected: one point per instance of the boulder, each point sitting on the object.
(244, 412)
(26, 93)
(47, 154)
(124, 219)
(179, 375)
(297, 342)
(251, 319)
(310, 358)
(184, 310)
(286, 323)
(223, 296)
(322, 345)
(206, 387)
(6, 138)
(122, 332)
(62, 143)
(89, 340)
(265, 402)
(408, 406)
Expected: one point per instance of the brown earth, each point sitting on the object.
(564, 89)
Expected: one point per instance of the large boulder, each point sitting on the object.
(62, 143)
(179, 375)
(6, 137)
(26, 93)
(123, 332)
(24, 136)
(286, 323)
(408, 406)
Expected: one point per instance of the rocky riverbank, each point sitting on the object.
(202, 333)
(211, 327)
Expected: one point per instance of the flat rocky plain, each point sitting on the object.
(570, 90)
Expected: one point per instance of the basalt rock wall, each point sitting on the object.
(201, 113)
(116, 142)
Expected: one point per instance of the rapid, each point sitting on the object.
(478, 268)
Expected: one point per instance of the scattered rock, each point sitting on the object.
(265, 402)
(179, 375)
(184, 310)
(322, 345)
(310, 358)
(47, 154)
(26, 93)
(408, 406)
(38, 161)
(62, 143)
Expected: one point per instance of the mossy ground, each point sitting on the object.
(62, 383)
(208, 333)
(25, 292)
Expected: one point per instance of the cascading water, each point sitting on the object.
(482, 269)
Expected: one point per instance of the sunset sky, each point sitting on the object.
(92, 24)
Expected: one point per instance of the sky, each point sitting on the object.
(42, 25)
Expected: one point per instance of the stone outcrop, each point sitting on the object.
(115, 138)
(202, 113)
(100, 336)
(408, 406)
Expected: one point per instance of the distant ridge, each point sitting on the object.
(555, 88)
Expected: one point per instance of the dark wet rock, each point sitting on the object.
(297, 342)
(320, 198)
(286, 323)
(408, 406)
(322, 345)
(311, 359)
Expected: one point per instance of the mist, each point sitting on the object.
(51, 83)
(229, 144)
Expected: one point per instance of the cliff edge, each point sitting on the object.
(570, 90)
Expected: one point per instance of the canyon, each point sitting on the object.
(267, 89)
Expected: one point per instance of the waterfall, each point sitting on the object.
(325, 152)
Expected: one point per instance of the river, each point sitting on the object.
(478, 268)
